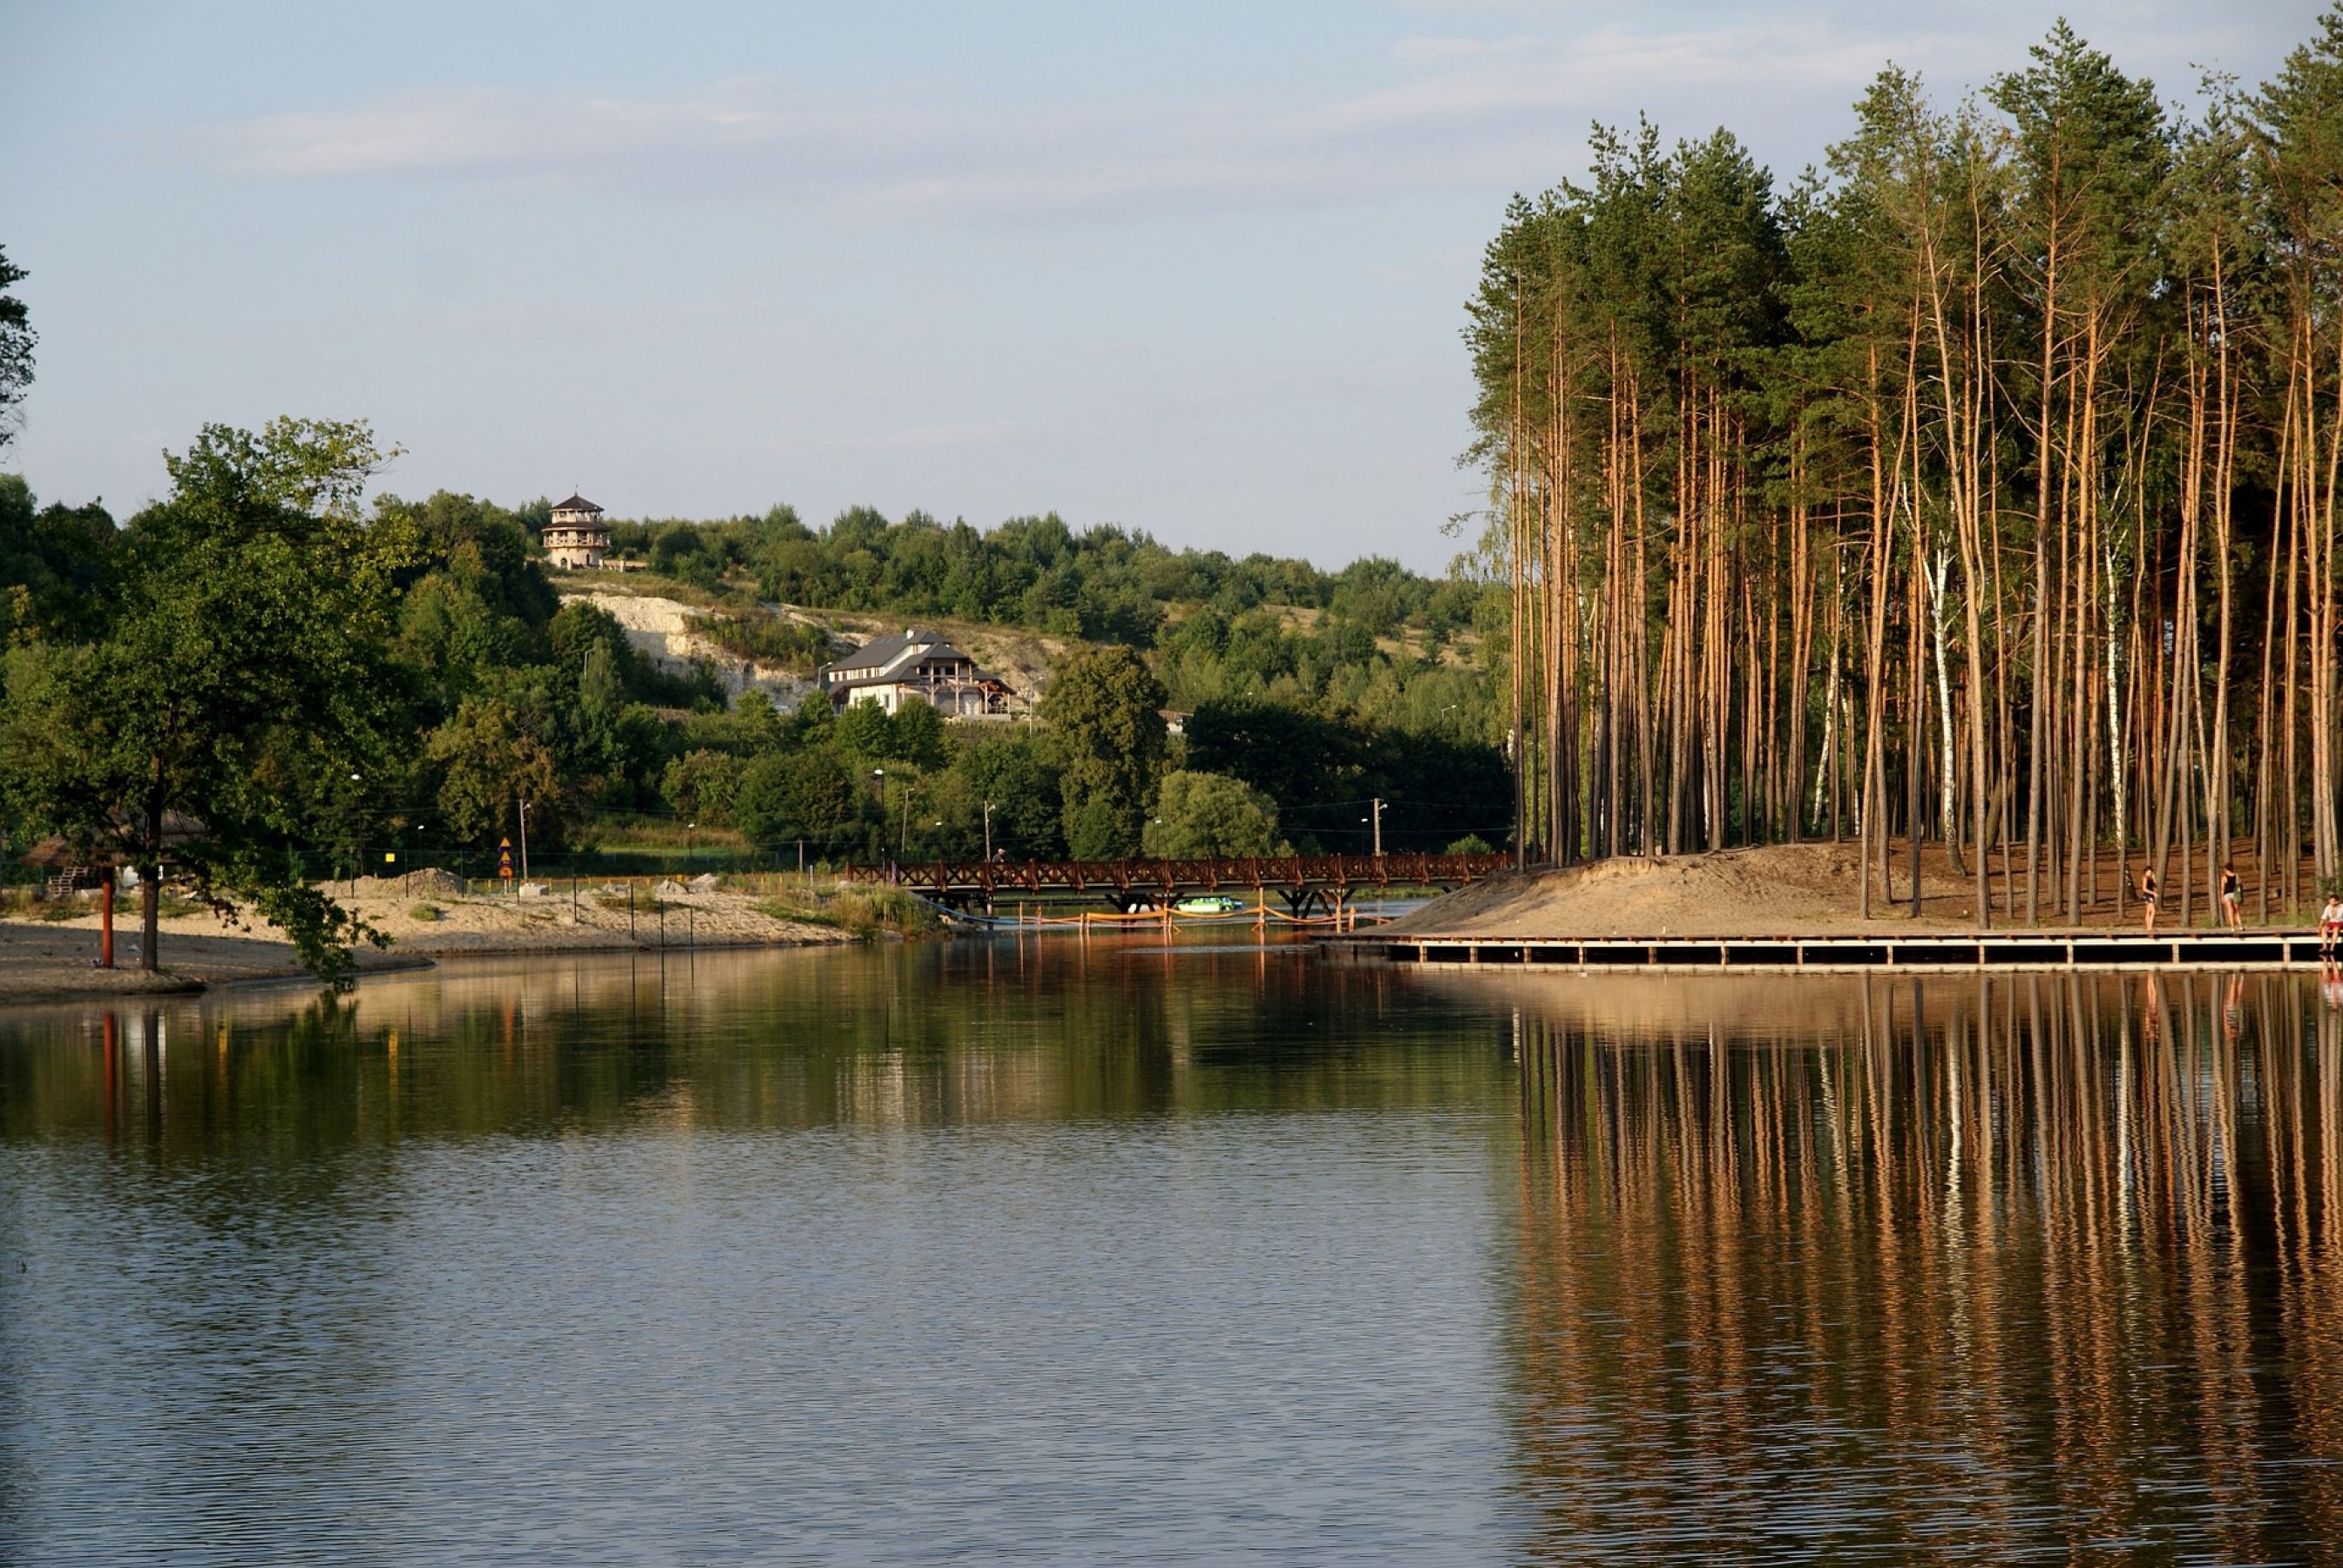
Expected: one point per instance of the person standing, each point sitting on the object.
(2233, 898)
(2148, 899)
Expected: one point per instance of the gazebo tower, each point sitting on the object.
(575, 536)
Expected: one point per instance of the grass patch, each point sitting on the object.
(423, 912)
(864, 913)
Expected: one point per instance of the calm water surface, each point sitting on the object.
(973, 1253)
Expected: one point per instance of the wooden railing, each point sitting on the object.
(1342, 872)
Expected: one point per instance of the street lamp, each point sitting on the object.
(357, 846)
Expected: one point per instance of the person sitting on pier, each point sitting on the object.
(2233, 894)
(2148, 898)
(2330, 925)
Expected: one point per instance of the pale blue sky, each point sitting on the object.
(1197, 269)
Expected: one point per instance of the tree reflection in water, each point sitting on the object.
(1963, 1267)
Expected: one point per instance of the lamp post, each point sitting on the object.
(987, 830)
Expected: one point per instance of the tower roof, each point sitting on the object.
(576, 503)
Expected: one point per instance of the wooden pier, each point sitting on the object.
(1934, 951)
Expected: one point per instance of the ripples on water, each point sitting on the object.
(972, 1252)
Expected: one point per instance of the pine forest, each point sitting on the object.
(1977, 487)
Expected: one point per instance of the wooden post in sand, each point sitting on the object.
(105, 921)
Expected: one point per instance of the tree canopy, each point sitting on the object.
(231, 699)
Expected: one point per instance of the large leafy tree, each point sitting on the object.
(237, 697)
(1106, 709)
(1204, 815)
(1018, 779)
(809, 794)
(492, 756)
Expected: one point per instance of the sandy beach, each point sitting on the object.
(51, 959)
(1781, 890)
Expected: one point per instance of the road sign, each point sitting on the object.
(504, 858)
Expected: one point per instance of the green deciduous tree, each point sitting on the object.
(810, 794)
(703, 786)
(864, 730)
(239, 680)
(1202, 815)
(1016, 776)
(915, 735)
(490, 757)
(1105, 711)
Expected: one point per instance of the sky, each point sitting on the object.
(1196, 270)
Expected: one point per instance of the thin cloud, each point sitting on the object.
(1462, 115)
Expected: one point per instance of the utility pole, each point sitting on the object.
(524, 837)
(1379, 827)
(987, 830)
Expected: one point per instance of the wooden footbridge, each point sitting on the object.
(1307, 882)
(1937, 950)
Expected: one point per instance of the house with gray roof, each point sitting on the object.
(916, 666)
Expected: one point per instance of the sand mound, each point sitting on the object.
(1785, 889)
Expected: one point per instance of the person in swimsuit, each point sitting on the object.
(2233, 895)
(2148, 899)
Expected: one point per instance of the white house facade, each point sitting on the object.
(916, 666)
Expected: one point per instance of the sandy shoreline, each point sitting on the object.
(1783, 889)
(54, 960)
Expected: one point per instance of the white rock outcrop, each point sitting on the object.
(662, 628)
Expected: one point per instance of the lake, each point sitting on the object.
(1062, 1253)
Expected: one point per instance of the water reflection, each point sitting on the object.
(2019, 1265)
(885, 1255)
(1074, 1254)
(904, 1037)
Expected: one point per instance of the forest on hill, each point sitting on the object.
(306, 681)
(1980, 485)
